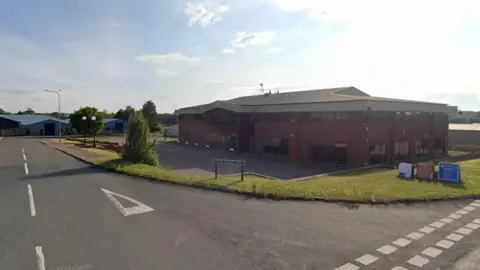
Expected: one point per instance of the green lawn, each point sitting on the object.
(367, 186)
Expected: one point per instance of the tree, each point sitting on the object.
(124, 114)
(28, 111)
(2, 111)
(167, 119)
(59, 116)
(138, 148)
(107, 114)
(149, 111)
(87, 125)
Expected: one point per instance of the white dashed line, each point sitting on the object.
(427, 229)
(399, 268)
(475, 204)
(418, 261)
(40, 258)
(455, 216)
(432, 252)
(402, 242)
(469, 208)
(446, 220)
(464, 231)
(437, 224)
(32, 203)
(444, 244)
(387, 249)
(454, 237)
(462, 212)
(477, 220)
(472, 226)
(366, 259)
(348, 266)
(415, 235)
(26, 168)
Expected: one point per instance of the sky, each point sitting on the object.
(113, 53)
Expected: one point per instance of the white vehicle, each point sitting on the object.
(171, 131)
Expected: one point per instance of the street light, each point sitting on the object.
(93, 118)
(84, 131)
(59, 114)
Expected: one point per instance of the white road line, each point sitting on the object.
(24, 157)
(32, 203)
(444, 244)
(462, 212)
(464, 231)
(469, 208)
(446, 220)
(477, 220)
(427, 229)
(26, 167)
(40, 258)
(415, 235)
(348, 266)
(475, 204)
(399, 268)
(387, 249)
(454, 237)
(402, 242)
(437, 224)
(455, 216)
(418, 261)
(366, 259)
(432, 252)
(472, 226)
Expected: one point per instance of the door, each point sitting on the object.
(49, 129)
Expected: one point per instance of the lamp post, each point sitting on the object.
(59, 114)
(84, 118)
(94, 118)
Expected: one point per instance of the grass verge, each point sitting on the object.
(372, 186)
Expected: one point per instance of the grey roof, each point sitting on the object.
(31, 119)
(340, 94)
(106, 120)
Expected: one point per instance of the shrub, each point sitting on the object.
(138, 148)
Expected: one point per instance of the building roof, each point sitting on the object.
(332, 99)
(28, 119)
(470, 127)
(107, 120)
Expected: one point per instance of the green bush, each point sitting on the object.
(138, 148)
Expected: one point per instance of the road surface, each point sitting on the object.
(58, 213)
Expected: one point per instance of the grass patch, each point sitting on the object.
(456, 153)
(363, 186)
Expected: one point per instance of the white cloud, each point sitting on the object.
(252, 39)
(204, 13)
(163, 58)
(401, 48)
(227, 51)
(165, 72)
(274, 50)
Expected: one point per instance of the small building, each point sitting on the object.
(39, 125)
(339, 125)
(114, 125)
(464, 135)
(171, 131)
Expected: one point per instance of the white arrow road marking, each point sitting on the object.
(139, 209)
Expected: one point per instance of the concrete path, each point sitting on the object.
(58, 213)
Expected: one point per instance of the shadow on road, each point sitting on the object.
(62, 173)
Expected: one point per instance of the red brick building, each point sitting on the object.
(321, 126)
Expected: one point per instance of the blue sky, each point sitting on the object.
(112, 53)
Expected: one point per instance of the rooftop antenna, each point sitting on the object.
(261, 88)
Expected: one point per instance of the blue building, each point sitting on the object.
(40, 125)
(113, 125)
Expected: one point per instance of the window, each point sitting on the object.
(373, 117)
(439, 145)
(316, 117)
(402, 151)
(328, 116)
(378, 153)
(421, 147)
(275, 146)
(329, 153)
(342, 116)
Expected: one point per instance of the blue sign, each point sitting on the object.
(449, 172)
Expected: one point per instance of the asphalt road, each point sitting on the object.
(68, 222)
